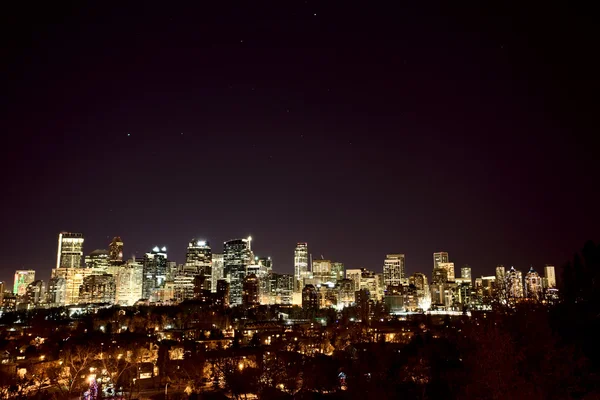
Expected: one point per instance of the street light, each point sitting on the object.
(166, 387)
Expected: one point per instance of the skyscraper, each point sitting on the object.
(300, 265)
(217, 271)
(129, 283)
(115, 250)
(198, 260)
(250, 294)
(449, 267)
(321, 271)
(439, 257)
(533, 285)
(549, 277)
(155, 271)
(514, 281)
(465, 272)
(70, 250)
(98, 259)
(393, 270)
(237, 255)
(23, 277)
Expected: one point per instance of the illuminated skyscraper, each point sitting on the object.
(98, 259)
(98, 289)
(56, 295)
(321, 271)
(514, 281)
(439, 257)
(129, 283)
(300, 265)
(155, 272)
(465, 272)
(549, 277)
(70, 250)
(250, 293)
(23, 277)
(115, 250)
(237, 255)
(217, 271)
(393, 270)
(533, 285)
(198, 261)
(449, 267)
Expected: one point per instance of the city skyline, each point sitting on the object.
(411, 132)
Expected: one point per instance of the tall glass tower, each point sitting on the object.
(70, 250)
(237, 255)
(300, 265)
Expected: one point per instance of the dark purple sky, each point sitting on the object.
(362, 130)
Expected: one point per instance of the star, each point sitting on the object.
(129, 134)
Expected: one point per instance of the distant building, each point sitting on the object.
(115, 250)
(449, 267)
(98, 289)
(393, 270)
(217, 271)
(465, 272)
(310, 298)
(129, 283)
(337, 271)
(70, 250)
(23, 277)
(56, 295)
(155, 272)
(35, 294)
(281, 288)
(301, 267)
(198, 260)
(237, 255)
(222, 294)
(439, 257)
(533, 285)
(346, 293)
(98, 259)
(250, 293)
(549, 277)
(321, 271)
(514, 281)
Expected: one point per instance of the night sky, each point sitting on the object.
(360, 129)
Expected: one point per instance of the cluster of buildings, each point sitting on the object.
(237, 276)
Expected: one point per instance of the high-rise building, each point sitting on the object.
(440, 257)
(23, 277)
(155, 272)
(337, 271)
(98, 289)
(449, 267)
(321, 271)
(98, 259)
(73, 277)
(56, 295)
(281, 288)
(222, 293)
(301, 267)
(250, 292)
(70, 250)
(310, 298)
(237, 255)
(465, 272)
(35, 294)
(198, 259)
(217, 271)
(115, 250)
(533, 285)
(129, 283)
(549, 277)
(514, 280)
(393, 270)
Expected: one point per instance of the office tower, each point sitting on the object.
(217, 271)
(393, 270)
(439, 276)
(115, 250)
(222, 293)
(337, 271)
(237, 255)
(266, 262)
(198, 260)
(34, 294)
(70, 250)
(321, 271)
(23, 277)
(57, 292)
(129, 283)
(549, 277)
(250, 293)
(346, 292)
(533, 285)
(449, 267)
(419, 280)
(282, 288)
(2, 288)
(300, 265)
(155, 272)
(99, 289)
(440, 257)
(98, 259)
(465, 272)
(514, 280)
(310, 298)
(262, 273)
(500, 273)
(73, 277)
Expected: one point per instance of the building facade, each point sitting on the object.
(70, 250)
(301, 267)
(237, 255)
(393, 270)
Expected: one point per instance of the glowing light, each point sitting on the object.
(201, 243)
(241, 366)
(156, 249)
(164, 248)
